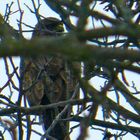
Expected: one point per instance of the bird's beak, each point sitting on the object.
(59, 28)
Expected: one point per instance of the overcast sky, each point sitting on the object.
(30, 19)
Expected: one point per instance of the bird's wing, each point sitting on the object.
(32, 83)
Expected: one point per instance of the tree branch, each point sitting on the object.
(74, 51)
(108, 124)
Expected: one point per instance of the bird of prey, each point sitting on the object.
(45, 79)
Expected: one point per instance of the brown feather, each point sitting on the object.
(45, 79)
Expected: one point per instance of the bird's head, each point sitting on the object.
(48, 27)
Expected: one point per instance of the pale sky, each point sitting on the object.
(30, 19)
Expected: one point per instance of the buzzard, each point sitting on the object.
(46, 77)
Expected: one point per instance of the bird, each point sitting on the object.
(45, 79)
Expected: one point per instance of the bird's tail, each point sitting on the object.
(60, 130)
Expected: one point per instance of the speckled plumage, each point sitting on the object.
(45, 79)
